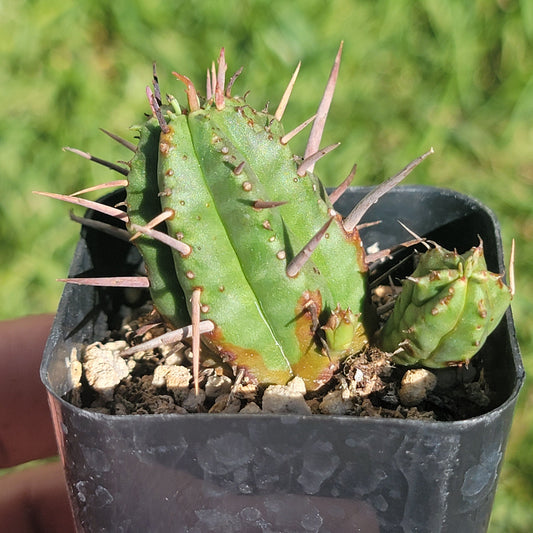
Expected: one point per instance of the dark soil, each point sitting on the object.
(160, 381)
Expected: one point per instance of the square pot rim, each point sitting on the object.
(507, 404)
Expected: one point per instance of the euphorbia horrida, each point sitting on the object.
(250, 251)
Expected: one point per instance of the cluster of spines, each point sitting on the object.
(170, 302)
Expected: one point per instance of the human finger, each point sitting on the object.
(27, 431)
(34, 500)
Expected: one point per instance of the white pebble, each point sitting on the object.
(334, 404)
(175, 378)
(415, 386)
(297, 384)
(251, 409)
(104, 367)
(216, 385)
(281, 399)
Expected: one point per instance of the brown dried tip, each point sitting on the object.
(213, 79)
(157, 90)
(239, 168)
(232, 81)
(195, 318)
(370, 259)
(120, 140)
(181, 247)
(341, 189)
(417, 237)
(156, 110)
(208, 86)
(103, 162)
(89, 204)
(171, 337)
(221, 81)
(322, 113)
(190, 91)
(299, 260)
(118, 233)
(108, 185)
(308, 163)
(351, 221)
(165, 215)
(123, 281)
(288, 136)
(278, 115)
(261, 204)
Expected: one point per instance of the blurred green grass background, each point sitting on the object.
(454, 75)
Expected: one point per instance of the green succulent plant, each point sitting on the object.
(243, 246)
(446, 310)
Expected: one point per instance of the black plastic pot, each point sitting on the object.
(266, 473)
